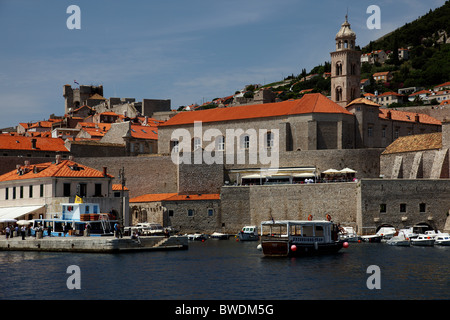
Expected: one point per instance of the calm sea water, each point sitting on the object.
(229, 270)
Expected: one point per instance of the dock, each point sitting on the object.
(106, 244)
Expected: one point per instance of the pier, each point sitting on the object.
(106, 244)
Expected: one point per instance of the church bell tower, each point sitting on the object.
(345, 67)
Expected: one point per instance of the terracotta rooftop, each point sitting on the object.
(419, 142)
(118, 187)
(408, 116)
(309, 103)
(144, 132)
(153, 197)
(8, 142)
(65, 168)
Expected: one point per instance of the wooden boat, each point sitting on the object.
(297, 238)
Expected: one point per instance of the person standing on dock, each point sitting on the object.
(7, 231)
(22, 231)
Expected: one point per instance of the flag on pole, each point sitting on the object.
(76, 82)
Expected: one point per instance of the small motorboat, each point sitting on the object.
(248, 233)
(373, 238)
(219, 236)
(348, 234)
(400, 240)
(442, 239)
(423, 240)
(197, 237)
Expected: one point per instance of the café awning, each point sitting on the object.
(9, 213)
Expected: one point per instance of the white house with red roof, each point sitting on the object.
(37, 190)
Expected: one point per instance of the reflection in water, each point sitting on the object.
(228, 270)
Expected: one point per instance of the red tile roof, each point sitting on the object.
(118, 187)
(8, 142)
(408, 116)
(65, 168)
(144, 132)
(309, 103)
(154, 197)
(193, 197)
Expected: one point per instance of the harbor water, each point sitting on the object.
(229, 270)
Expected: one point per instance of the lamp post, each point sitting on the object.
(122, 182)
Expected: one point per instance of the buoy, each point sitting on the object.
(328, 217)
(294, 248)
(310, 217)
(203, 240)
(345, 244)
(237, 239)
(259, 247)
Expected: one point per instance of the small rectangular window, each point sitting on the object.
(6, 193)
(210, 212)
(170, 213)
(66, 191)
(30, 192)
(422, 208)
(41, 190)
(190, 212)
(383, 208)
(402, 207)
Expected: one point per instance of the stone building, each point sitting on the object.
(377, 127)
(39, 189)
(421, 156)
(84, 95)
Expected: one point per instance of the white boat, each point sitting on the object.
(372, 238)
(298, 238)
(387, 232)
(219, 236)
(197, 237)
(400, 240)
(442, 239)
(408, 232)
(248, 233)
(348, 234)
(423, 240)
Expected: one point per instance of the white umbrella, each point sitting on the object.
(24, 222)
(347, 170)
(331, 171)
(8, 220)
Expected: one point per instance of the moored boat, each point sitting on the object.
(423, 240)
(348, 234)
(219, 236)
(75, 219)
(248, 233)
(400, 240)
(197, 236)
(442, 239)
(298, 238)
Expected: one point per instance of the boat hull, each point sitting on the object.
(286, 249)
(423, 243)
(247, 236)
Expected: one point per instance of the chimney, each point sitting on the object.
(33, 143)
(389, 114)
(105, 171)
(71, 158)
(417, 118)
(58, 159)
(27, 163)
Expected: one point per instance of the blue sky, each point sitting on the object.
(186, 51)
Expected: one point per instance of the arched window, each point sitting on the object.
(245, 141)
(338, 68)
(338, 94)
(269, 139)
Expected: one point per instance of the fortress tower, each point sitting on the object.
(345, 67)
